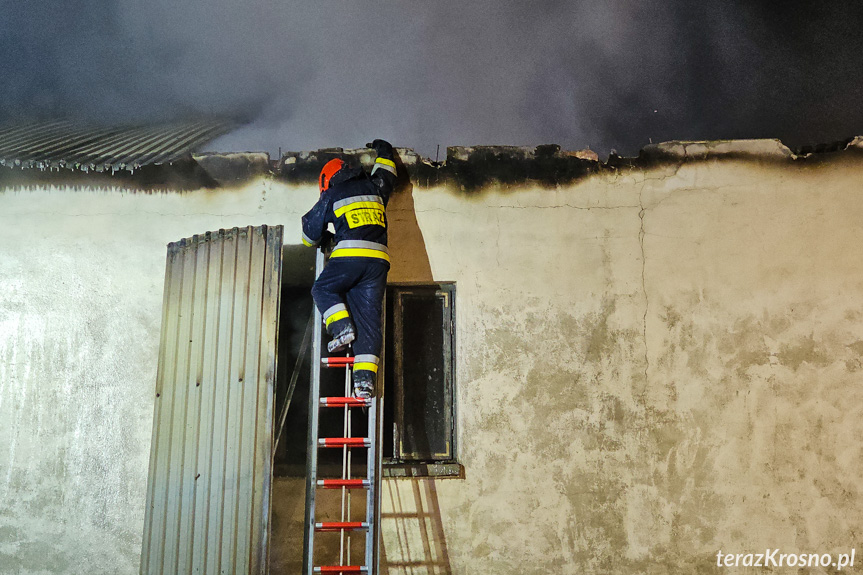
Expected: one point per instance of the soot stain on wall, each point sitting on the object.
(468, 169)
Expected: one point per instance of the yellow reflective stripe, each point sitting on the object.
(337, 316)
(367, 366)
(307, 243)
(359, 253)
(384, 164)
(356, 205)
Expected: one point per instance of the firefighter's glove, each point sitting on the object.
(382, 148)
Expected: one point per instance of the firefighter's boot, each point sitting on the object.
(343, 334)
(364, 384)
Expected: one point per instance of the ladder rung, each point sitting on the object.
(343, 441)
(341, 526)
(349, 483)
(343, 401)
(337, 361)
(342, 569)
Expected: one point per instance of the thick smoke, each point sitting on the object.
(609, 75)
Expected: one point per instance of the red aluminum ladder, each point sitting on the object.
(370, 484)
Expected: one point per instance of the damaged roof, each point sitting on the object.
(168, 164)
(54, 145)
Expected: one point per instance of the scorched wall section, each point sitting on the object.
(656, 361)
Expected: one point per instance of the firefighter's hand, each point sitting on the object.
(381, 147)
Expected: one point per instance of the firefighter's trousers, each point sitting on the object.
(352, 289)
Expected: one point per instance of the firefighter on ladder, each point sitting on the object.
(349, 292)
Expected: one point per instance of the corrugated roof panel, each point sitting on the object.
(208, 496)
(116, 141)
(31, 141)
(64, 144)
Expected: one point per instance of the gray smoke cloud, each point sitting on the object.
(609, 75)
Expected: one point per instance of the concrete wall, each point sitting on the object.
(655, 363)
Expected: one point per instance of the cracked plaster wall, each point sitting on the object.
(653, 365)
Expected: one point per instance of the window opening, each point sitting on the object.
(419, 379)
(420, 374)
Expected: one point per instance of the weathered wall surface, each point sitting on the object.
(654, 364)
(81, 279)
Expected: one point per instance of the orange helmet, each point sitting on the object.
(329, 170)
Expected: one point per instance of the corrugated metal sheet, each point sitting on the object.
(67, 145)
(208, 496)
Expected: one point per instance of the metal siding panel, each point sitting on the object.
(155, 516)
(220, 410)
(209, 379)
(211, 459)
(237, 375)
(179, 392)
(272, 282)
(167, 395)
(193, 386)
(248, 403)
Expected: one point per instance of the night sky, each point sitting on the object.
(605, 75)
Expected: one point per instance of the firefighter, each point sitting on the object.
(349, 292)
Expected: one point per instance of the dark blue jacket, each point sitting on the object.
(355, 203)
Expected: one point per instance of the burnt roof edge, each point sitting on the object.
(465, 167)
(474, 167)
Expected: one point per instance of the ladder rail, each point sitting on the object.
(371, 442)
(372, 494)
(375, 452)
(345, 536)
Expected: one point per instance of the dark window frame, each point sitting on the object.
(397, 462)
(298, 301)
